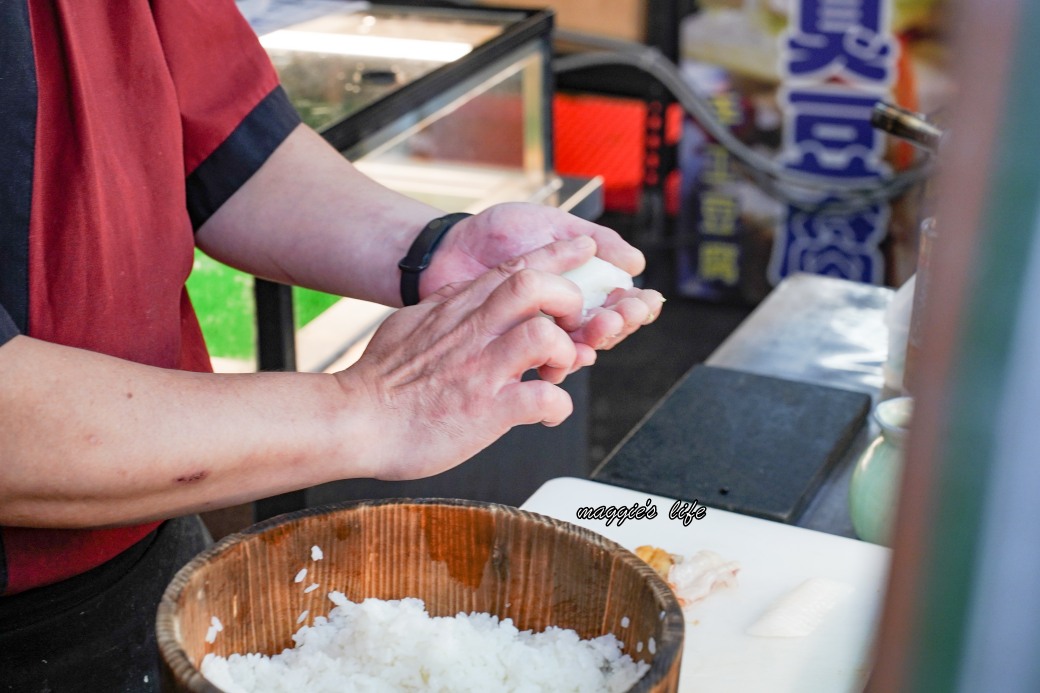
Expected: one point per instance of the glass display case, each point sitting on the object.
(447, 105)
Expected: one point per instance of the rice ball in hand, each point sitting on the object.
(596, 279)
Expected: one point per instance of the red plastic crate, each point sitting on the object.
(604, 136)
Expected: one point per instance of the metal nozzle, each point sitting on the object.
(907, 125)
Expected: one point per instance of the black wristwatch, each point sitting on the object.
(419, 255)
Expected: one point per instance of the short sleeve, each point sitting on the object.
(234, 114)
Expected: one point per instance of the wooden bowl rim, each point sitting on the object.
(176, 657)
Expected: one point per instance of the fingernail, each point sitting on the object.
(649, 319)
(584, 242)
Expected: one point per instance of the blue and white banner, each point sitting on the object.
(837, 59)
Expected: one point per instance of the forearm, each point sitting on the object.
(90, 440)
(309, 218)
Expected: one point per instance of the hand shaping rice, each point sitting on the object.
(396, 645)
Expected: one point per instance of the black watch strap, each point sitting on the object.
(419, 255)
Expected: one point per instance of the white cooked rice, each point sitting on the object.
(596, 279)
(396, 645)
(215, 626)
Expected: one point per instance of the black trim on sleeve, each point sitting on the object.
(18, 92)
(240, 155)
(8, 330)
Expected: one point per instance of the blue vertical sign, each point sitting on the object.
(837, 59)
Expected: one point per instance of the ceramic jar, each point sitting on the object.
(874, 488)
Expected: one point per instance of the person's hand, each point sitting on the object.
(444, 377)
(505, 231)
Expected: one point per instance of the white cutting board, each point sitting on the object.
(774, 558)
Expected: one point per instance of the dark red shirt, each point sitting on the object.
(124, 124)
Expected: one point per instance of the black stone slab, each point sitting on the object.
(753, 444)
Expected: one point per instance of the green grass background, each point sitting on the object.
(223, 299)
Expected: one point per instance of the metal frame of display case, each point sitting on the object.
(370, 120)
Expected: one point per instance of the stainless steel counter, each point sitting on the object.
(817, 330)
